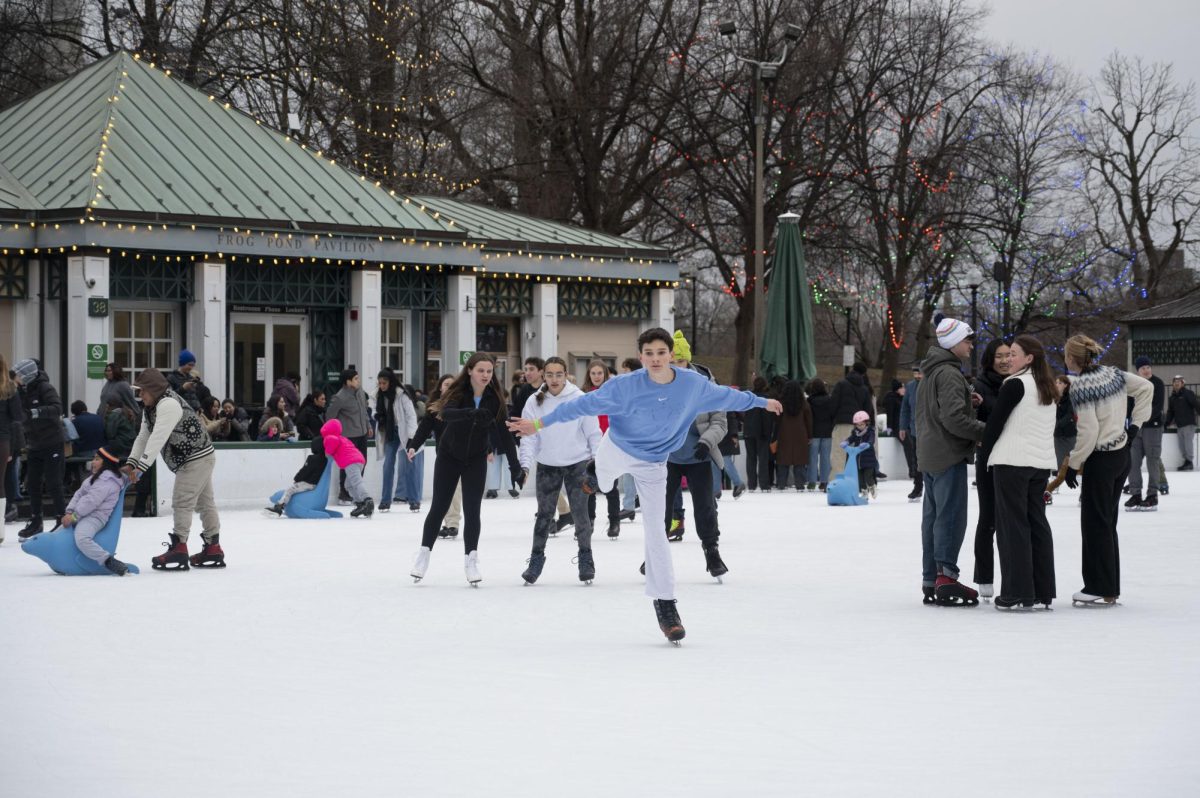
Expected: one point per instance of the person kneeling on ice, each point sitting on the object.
(650, 412)
(170, 426)
(92, 504)
(563, 456)
(352, 462)
(307, 477)
(863, 434)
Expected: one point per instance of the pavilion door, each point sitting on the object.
(263, 348)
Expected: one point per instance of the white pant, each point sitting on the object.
(651, 482)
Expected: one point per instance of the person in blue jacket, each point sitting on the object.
(650, 412)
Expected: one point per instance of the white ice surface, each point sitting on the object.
(313, 665)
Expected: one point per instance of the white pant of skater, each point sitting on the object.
(651, 482)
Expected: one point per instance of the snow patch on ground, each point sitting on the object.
(313, 666)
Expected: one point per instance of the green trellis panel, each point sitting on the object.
(603, 301)
(304, 286)
(150, 278)
(327, 342)
(414, 290)
(56, 277)
(505, 297)
(14, 278)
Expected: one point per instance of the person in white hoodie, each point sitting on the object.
(564, 455)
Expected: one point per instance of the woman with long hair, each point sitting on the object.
(11, 413)
(993, 370)
(564, 455)
(1100, 395)
(117, 390)
(311, 415)
(1018, 448)
(794, 432)
(278, 409)
(473, 410)
(396, 422)
(598, 373)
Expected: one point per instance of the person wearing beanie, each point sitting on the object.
(1148, 446)
(947, 434)
(44, 439)
(169, 427)
(349, 406)
(1182, 408)
(863, 433)
(186, 382)
(681, 353)
(92, 505)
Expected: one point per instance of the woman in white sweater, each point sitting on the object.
(1018, 451)
(564, 455)
(1101, 395)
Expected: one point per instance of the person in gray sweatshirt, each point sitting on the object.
(349, 406)
(947, 434)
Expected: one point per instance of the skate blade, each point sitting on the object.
(676, 643)
(720, 581)
(220, 564)
(956, 602)
(585, 582)
(1095, 605)
(170, 566)
(416, 579)
(473, 584)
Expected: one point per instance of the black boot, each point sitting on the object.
(668, 619)
(565, 520)
(175, 558)
(536, 561)
(276, 508)
(363, 509)
(34, 527)
(713, 563)
(116, 566)
(614, 529)
(587, 566)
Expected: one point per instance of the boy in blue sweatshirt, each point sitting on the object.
(649, 414)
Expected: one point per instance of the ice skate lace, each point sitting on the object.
(584, 558)
(667, 614)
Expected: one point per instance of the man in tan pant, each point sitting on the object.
(171, 427)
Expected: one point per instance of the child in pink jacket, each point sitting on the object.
(351, 460)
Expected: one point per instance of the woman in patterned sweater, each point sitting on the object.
(1100, 395)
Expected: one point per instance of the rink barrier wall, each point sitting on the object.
(247, 473)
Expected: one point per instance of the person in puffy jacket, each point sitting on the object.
(863, 434)
(349, 406)
(92, 506)
(11, 415)
(352, 462)
(850, 395)
(759, 431)
(1182, 408)
(45, 440)
(993, 371)
(794, 431)
(820, 442)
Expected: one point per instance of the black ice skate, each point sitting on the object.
(275, 509)
(627, 515)
(1148, 505)
(363, 509)
(448, 532)
(211, 556)
(668, 620)
(565, 520)
(713, 563)
(175, 558)
(927, 595)
(587, 566)
(1135, 500)
(414, 507)
(537, 560)
(34, 527)
(916, 495)
(384, 507)
(1013, 604)
(738, 490)
(516, 494)
(951, 593)
(117, 567)
(614, 530)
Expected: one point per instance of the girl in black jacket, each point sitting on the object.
(994, 368)
(473, 411)
(820, 445)
(759, 429)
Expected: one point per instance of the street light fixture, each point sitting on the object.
(764, 72)
(691, 277)
(974, 280)
(1067, 304)
(849, 302)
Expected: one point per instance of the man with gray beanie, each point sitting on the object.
(45, 441)
(947, 434)
(1148, 445)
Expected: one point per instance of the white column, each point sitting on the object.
(540, 330)
(206, 335)
(458, 321)
(363, 332)
(87, 276)
(662, 310)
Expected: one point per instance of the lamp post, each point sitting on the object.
(1067, 304)
(691, 276)
(974, 280)
(1002, 277)
(849, 302)
(764, 72)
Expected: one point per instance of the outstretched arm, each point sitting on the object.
(604, 400)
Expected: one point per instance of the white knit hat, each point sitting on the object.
(951, 332)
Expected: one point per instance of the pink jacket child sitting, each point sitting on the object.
(351, 460)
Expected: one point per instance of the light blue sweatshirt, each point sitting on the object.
(647, 420)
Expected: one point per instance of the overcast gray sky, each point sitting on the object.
(1083, 32)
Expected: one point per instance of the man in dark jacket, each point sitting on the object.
(185, 382)
(850, 395)
(947, 433)
(891, 406)
(1181, 411)
(908, 432)
(44, 439)
(1148, 445)
(90, 428)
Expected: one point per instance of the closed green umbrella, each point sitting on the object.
(788, 346)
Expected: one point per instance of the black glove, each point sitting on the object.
(1132, 432)
(519, 475)
(701, 451)
(1072, 478)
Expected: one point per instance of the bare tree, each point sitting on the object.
(1143, 167)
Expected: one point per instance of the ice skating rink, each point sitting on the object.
(313, 666)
